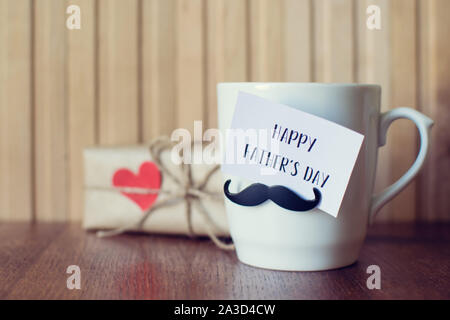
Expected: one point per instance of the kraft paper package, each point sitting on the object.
(112, 175)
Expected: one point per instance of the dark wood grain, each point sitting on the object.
(414, 262)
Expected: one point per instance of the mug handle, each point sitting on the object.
(423, 124)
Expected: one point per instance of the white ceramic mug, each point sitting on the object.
(269, 236)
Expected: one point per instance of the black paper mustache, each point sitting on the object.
(259, 193)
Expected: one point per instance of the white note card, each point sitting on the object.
(276, 144)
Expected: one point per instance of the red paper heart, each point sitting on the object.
(147, 177)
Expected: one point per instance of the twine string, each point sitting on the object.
(189, 192)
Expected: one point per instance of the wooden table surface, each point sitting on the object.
(414, 262)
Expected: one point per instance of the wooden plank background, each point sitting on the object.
(140, 68)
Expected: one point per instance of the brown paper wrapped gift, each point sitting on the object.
(117, 180)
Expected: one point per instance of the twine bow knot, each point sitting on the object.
(192, 193)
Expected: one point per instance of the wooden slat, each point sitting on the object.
(50, 110)
(426, 188)
(435, 102)
(118, 72)
(190, 67)
(158, 69)
(297, 40)
(266, 40)
(402, 137)
(334, 40)
(81, 86)
(373, 48)
(374, 66)
(15, 111)
(227, 48)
